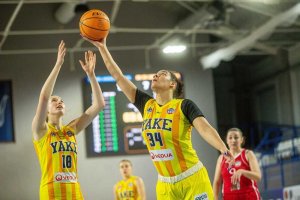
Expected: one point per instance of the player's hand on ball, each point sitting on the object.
(98, 44)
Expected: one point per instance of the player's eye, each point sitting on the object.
(162, 74)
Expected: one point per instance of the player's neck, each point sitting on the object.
(236, 151)
(163, 97)
(125, 178)
(55, 122)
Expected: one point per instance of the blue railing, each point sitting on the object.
(277, 151)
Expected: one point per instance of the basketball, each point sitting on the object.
(94, 25)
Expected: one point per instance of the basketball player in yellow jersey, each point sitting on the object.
(55, 144)
(131, 187)
(167, 125)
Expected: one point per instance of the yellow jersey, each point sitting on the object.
(127, 189)
(167, 133)
(57, 154)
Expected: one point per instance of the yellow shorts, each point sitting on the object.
(194, 187)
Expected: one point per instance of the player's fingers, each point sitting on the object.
(81, 63)
(86, 57)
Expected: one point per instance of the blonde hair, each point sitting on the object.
(125, 160)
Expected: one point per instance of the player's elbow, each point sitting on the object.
(101, 105)
(216, 184)
(258, 178)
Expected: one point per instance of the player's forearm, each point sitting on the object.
(110, 64)
(213, 138)
(217, 181)
(143, 194)
(216, 190)
(209, 134)
(98, 99)
(48, 86)
(256, 176)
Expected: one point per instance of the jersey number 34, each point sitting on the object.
(154, 139)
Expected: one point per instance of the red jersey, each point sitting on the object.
(246, 185)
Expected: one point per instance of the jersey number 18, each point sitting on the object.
(67, 161)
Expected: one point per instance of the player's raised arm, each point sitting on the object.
(39, 120)
(126, 85)
(98, 100)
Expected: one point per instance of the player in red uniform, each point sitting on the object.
(239, 180)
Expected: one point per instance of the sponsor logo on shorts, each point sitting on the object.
(65, 177)
(202, 196)
(161, 155)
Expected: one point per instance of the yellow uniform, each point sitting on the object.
(167, 133)
(127, 189)
(57, 154)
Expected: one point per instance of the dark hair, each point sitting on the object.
(178, 92)
(237, 130)
(125, 160)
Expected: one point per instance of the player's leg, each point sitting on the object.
(165, 191)
(198, 186)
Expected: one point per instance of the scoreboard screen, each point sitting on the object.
(117, 129)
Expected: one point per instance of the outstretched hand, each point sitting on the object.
(61, 53)
(90, 61)
(97, 44)
(228, 158)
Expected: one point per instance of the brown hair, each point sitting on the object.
(178, 92)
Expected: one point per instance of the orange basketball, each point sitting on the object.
(94, 24)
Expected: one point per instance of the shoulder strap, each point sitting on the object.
(244, 158)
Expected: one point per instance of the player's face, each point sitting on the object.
(234, 139)
(161, 80)
(56, 105)
(125, 169)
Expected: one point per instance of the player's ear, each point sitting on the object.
(173, 84)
